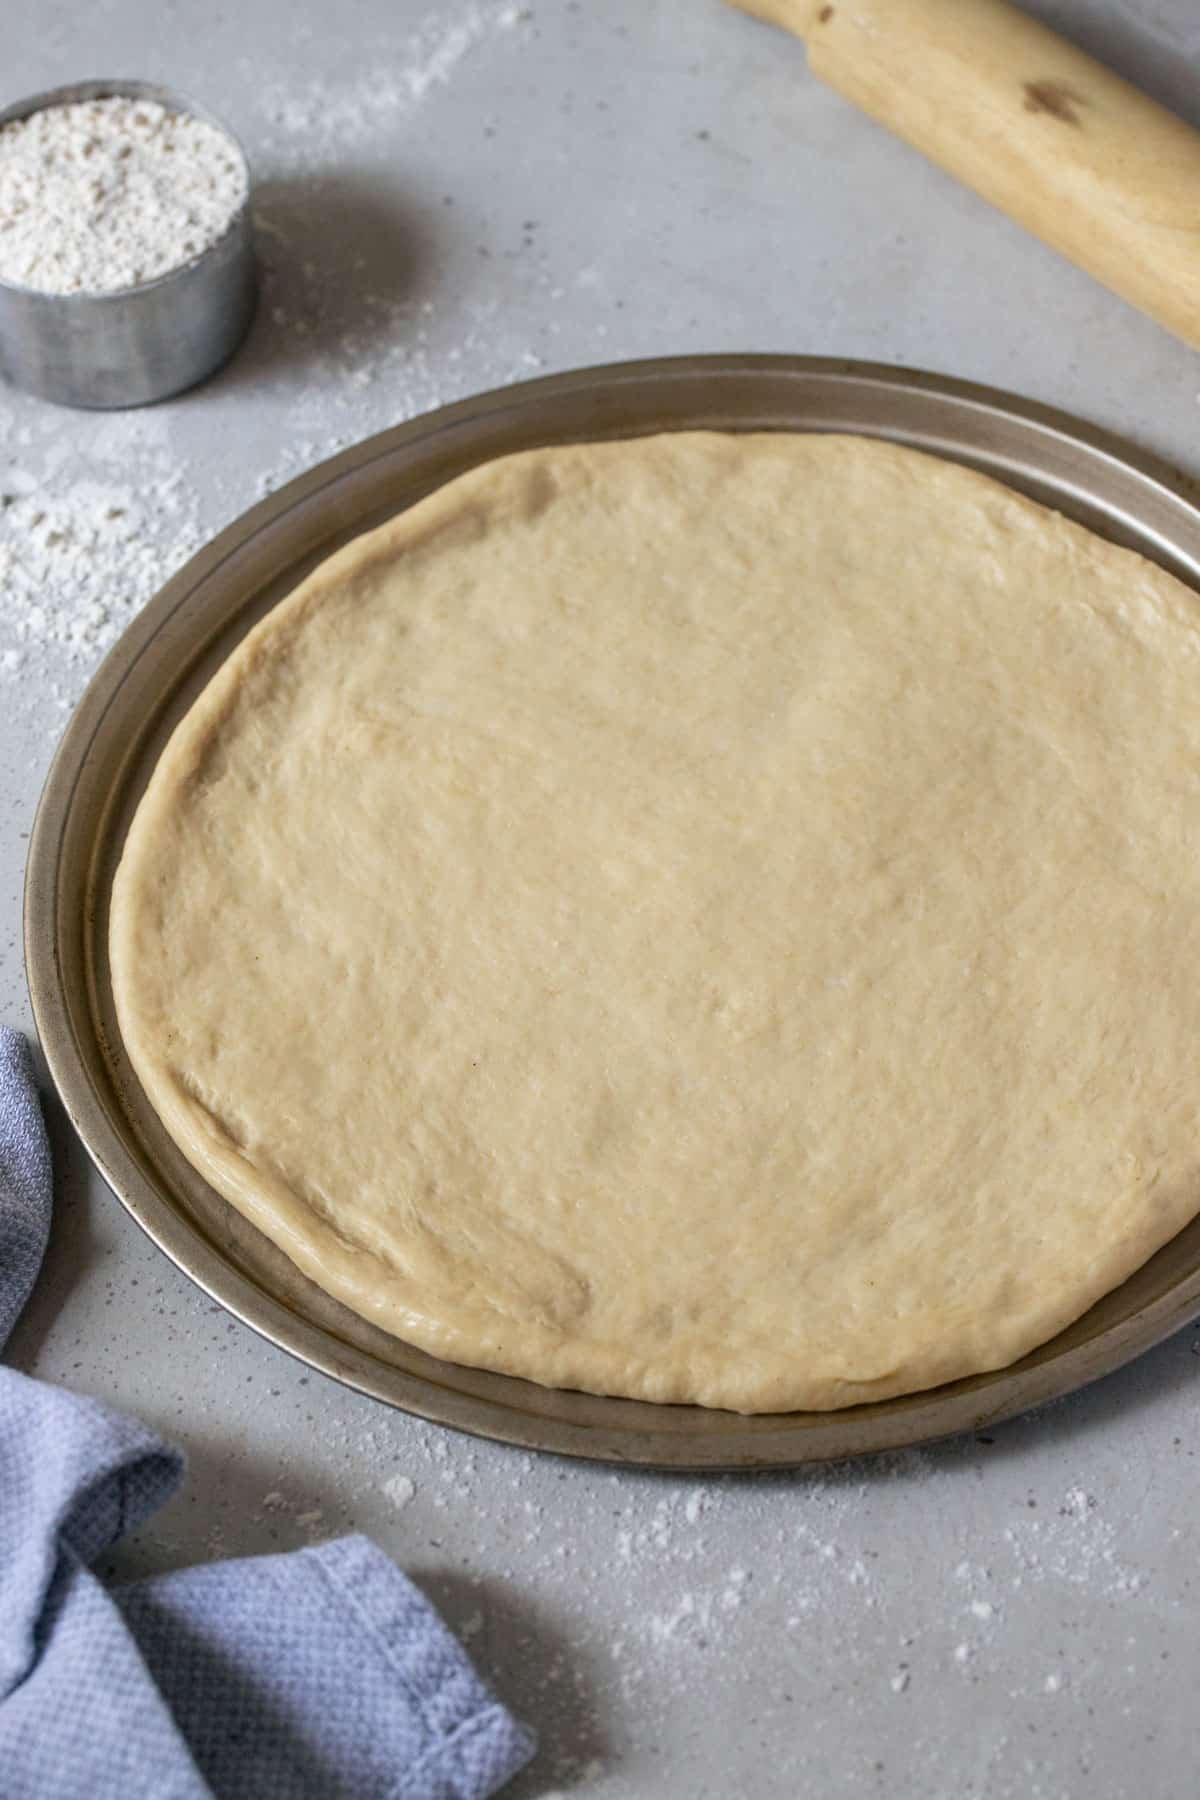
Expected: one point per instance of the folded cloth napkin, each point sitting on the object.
(319, 1675)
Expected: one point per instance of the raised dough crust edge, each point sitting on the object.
(485, 1338)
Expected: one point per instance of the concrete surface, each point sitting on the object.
(462, 197)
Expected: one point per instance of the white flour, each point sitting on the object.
(105, 194)
(399, 1490)
(327, 117)
(86, 538)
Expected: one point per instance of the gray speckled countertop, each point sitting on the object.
(457, 196)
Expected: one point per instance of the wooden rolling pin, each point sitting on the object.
(1071, 151)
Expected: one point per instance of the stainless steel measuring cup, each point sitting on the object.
(140, 343)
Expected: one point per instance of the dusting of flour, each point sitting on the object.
(329, 117)
(91, 523)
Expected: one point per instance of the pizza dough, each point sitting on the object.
(700, 918)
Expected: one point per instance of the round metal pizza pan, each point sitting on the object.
(164, 658)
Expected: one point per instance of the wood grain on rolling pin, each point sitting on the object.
(1063, 145)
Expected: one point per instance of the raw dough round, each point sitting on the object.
(700, 918)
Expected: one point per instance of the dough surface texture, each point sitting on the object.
(702, 918)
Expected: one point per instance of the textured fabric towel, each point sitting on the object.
(320, 1675)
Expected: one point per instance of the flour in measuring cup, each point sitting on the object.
(105, 194)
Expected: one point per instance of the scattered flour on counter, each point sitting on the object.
(92, 522)
(735, 1589)
(399, 1490)
(440, 48)
(330, 115)
(1073, 1544)
(276, 1504)
(691, 1614)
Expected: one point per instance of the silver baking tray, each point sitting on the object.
(172, 648)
